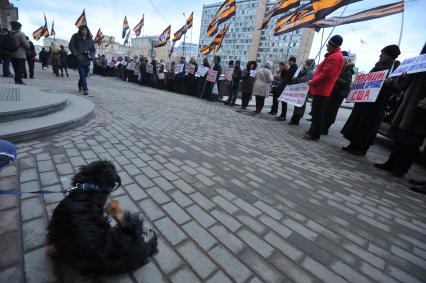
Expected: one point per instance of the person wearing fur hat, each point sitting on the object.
(83, 48)
(19, 56)
(262, 85)
(322, 84)
(364, 122)
(340, 91)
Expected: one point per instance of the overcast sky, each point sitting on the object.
(109, 14)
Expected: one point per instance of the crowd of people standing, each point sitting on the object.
(329, 84)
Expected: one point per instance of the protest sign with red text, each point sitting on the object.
(295, 94)
(366, 87)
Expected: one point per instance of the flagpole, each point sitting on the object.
(322, 41)
(402, 26)
(184, 37)
(191, 41)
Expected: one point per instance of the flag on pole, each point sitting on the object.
(226, 11)
(307, 14)
(370, 14)
(178, 35)
(109, 42)
(81, 20)
(52, 30)
(171, 49)
(137, 29)
(45, 32)
(164, 37)
(279, 8)
(37, 33)
(125, 27)
(216, 42)
(127, 38)
(98, 38)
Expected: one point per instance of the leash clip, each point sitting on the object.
(72, 189)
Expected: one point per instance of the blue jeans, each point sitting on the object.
(83, 71)
(6, 66)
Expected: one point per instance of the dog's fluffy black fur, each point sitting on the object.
(80, 233)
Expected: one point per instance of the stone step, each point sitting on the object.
(77, 111)
(19, 102)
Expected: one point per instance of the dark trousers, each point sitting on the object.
(330, 111)
(234, 94)
(83, 71)
(318, 104)
(298, 113)
(260, 102)
(62, 70)
(245, 100)
(18, 68)
(30, 67)
(274, 108)
(6, 65)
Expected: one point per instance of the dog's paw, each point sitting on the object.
(114, 209)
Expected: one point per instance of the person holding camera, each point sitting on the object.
(83, 49)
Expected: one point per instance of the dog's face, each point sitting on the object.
(102, 173)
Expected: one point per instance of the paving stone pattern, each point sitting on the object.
(234, 198)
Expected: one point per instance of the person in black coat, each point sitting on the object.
(191, 86)
(236, 78)
(340, 91)
(408, 127)
(82, 47)
(63, 60)
(364, 122)
(286, 77)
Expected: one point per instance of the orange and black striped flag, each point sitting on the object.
(216, 42)
(370, 14)
(45, 32)
(279, 8)
(98, 38)
(52, 30)
(226, 11)
(178, 35)
(125, 27)
(38, 32)
(81, 20)
(164, 37)
(307, 14)
(137, 29)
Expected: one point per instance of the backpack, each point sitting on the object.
(8, 42)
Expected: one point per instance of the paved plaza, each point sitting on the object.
(234, 197)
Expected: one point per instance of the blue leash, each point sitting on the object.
(84, 186)
(18, 193)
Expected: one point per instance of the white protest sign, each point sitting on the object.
(211, 76)
(295, 94)
(253, 73)
(179, 68)
(149, 69)
(228, 74)
(190, 68)
(411, 65)
(202, 71)
(366, 87)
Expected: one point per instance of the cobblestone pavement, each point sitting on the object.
(234, 198)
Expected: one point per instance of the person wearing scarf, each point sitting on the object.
(364, 122)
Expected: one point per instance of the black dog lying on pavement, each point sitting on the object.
(80, 233)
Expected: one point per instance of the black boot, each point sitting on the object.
(402, 167)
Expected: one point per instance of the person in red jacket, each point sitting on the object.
(322, 83)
